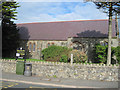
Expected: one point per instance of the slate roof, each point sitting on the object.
(61, 30)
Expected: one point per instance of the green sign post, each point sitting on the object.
(20, 65)
(21, 54)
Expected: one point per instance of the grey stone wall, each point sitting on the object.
(8, 66)
(67, 70)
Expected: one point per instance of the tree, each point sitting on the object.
(10, 35)
(111, 8)
(116, 27)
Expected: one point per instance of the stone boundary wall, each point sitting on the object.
(67, 70)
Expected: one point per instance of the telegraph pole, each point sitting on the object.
(109, 34)
(117, 28)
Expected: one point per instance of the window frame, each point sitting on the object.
(34, 47)
(30, 47)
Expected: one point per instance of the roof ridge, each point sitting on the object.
(64, 21)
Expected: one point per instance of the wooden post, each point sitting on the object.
(71, 58)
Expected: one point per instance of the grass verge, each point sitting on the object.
(23, 59)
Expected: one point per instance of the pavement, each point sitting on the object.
(58, 82)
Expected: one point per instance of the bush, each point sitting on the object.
(54, 53)
(117, 54)
(64, 59)
(78, 56)
(101, 53)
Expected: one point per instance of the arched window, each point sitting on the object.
(62, 43)
(30, 46)
(34, 46)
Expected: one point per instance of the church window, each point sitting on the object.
(34, 46)
(30, 46)
(63, 44)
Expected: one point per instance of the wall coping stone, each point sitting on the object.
(62, 63)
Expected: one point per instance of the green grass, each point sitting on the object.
(54, 76)
(23, 59)
(44, 60)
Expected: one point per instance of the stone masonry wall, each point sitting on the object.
(67, 70)
(8, 66)
(39, 46)
(83, 44)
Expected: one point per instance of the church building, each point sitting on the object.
(80, 34)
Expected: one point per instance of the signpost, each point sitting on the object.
(23, 68)
(20, 65)
(21, 54)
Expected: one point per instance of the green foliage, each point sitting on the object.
(54, 76)
(54, 53)
(101, 53)
(64, 59)
(9, 10)
(117, 53)
(106, 7)
(10, 35)
(78, 56)
(111, 8)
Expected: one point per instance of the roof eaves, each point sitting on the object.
(48, 39)
(63, 21)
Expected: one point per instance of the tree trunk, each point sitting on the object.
(117, 28)
(109, 35)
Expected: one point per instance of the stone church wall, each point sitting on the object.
(39, 46)
(87, 45)
(83, 44)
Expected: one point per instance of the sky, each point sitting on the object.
(57, 11)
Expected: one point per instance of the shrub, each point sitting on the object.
(64, 59)
(117, 54)
(54, 53)
(78, 56)
(101, 53)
